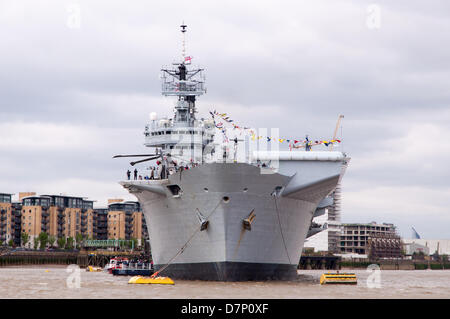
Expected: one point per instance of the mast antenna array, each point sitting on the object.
(183, 31)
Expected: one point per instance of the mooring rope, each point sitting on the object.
(185, 245)
(281, 230)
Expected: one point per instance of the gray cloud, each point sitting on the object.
(84, 94)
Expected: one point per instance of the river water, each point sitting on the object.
(58, 282)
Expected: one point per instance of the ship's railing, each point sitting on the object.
(174, 139)
(165, 126)
(146, 176)
(136, 266)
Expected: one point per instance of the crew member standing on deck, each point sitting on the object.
(128, 174)
(135, 174)
(152, 174)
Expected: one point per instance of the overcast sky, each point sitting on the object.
(77, 88)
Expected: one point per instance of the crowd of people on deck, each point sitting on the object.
(161, 171)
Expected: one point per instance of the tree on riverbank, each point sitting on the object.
(43, 239)
(51, 240)
(79, 238)
(69, 243)
(61, 242)
(25, 238)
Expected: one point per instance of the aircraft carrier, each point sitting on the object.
(215, 215)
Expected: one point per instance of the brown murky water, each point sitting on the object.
(51, 282)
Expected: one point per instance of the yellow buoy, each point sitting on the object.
(337, 278)
(93, 269)
(151, 280)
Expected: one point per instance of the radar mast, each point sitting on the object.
(186, 84)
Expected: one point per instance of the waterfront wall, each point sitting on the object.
(306, 263)
(395, 265)
(38, 258)
(82, 259)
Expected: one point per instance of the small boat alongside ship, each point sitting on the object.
(115, 263)
(134, 269)
(121, 266)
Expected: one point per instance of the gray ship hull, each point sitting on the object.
(225, 194)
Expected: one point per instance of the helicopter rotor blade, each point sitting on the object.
(134, 155)
(145, 160)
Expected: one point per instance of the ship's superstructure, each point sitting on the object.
(182, 136)
(214, 217)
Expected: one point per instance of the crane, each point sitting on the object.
(335, 130)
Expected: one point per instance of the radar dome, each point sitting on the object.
(153, 116)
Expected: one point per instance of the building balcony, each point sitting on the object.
(3, 218)
(129, 219)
